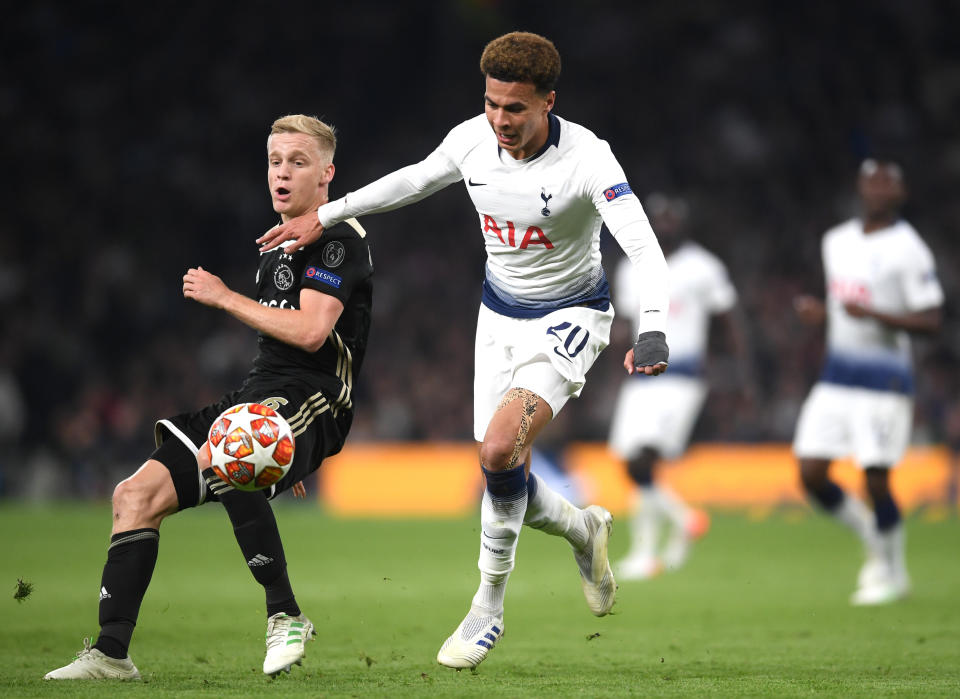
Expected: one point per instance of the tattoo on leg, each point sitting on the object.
(528, 409)
(509, 397)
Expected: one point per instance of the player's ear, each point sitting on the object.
(326, 174)
(551, 98)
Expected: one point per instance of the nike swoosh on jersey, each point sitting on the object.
(475, 184)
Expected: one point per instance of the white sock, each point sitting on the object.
(668, 503)
(892, 546)
(854, 513)
(552, 513)
(500, 522)
(645, 525)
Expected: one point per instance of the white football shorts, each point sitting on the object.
(549, 356)
(657, 412)
(838, 421)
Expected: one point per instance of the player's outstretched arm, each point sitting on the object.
(303, 230)
(927, 321)
(400, 188)
(649, 353)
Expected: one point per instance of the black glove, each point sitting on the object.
(650, 349)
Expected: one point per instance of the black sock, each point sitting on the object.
(827, 493)
(256, 531)
(886, 512)
(508, 484)
(131, 559)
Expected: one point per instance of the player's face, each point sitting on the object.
(298, 173)
(882, 191)
(518, 116)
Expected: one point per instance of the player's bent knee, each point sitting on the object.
(132, 497)
(878, 482)
(130, 501)
(640, 473)
(144, 499)
(640, 468)
(813, 474)
(519, 416)
(497, 452)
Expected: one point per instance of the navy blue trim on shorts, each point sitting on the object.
(599, 300)
(877, 376)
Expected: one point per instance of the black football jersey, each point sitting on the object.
(339, 264)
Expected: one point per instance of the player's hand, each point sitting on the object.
(204, 457)
(204, 287)
(648, 355)
(811, 310)
(302, 230)
(857, 310)
(299, 490)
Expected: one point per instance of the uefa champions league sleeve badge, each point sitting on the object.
(333, 254)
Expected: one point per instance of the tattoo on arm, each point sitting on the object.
(529, 408)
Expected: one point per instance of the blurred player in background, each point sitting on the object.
(653, 419)
(313, 317)
(881, 285)
(542, 186)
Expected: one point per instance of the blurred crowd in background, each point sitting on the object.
(134, 141)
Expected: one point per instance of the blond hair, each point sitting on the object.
(522, 57)
(324, 134)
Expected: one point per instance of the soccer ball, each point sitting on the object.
(251, 446)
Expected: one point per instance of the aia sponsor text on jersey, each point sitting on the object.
(507, 233)
(850, 291)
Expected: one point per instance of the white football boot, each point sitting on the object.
(91, 664)
(286, 640)
(599, 586)
(883, 578)
(469, 644)
(882, 591)
(874, 571)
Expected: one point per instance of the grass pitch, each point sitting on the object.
(760, 610)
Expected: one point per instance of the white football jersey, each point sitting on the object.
(540, 217)
(890, 270)
(699, 287)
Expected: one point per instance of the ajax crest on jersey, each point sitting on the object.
(283, 277)
(251, 446)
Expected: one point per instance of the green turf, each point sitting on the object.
(760, 610)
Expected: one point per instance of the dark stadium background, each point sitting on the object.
(133, 142)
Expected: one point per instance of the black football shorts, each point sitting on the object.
(318, 433)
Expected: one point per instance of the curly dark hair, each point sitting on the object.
(522, 57)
